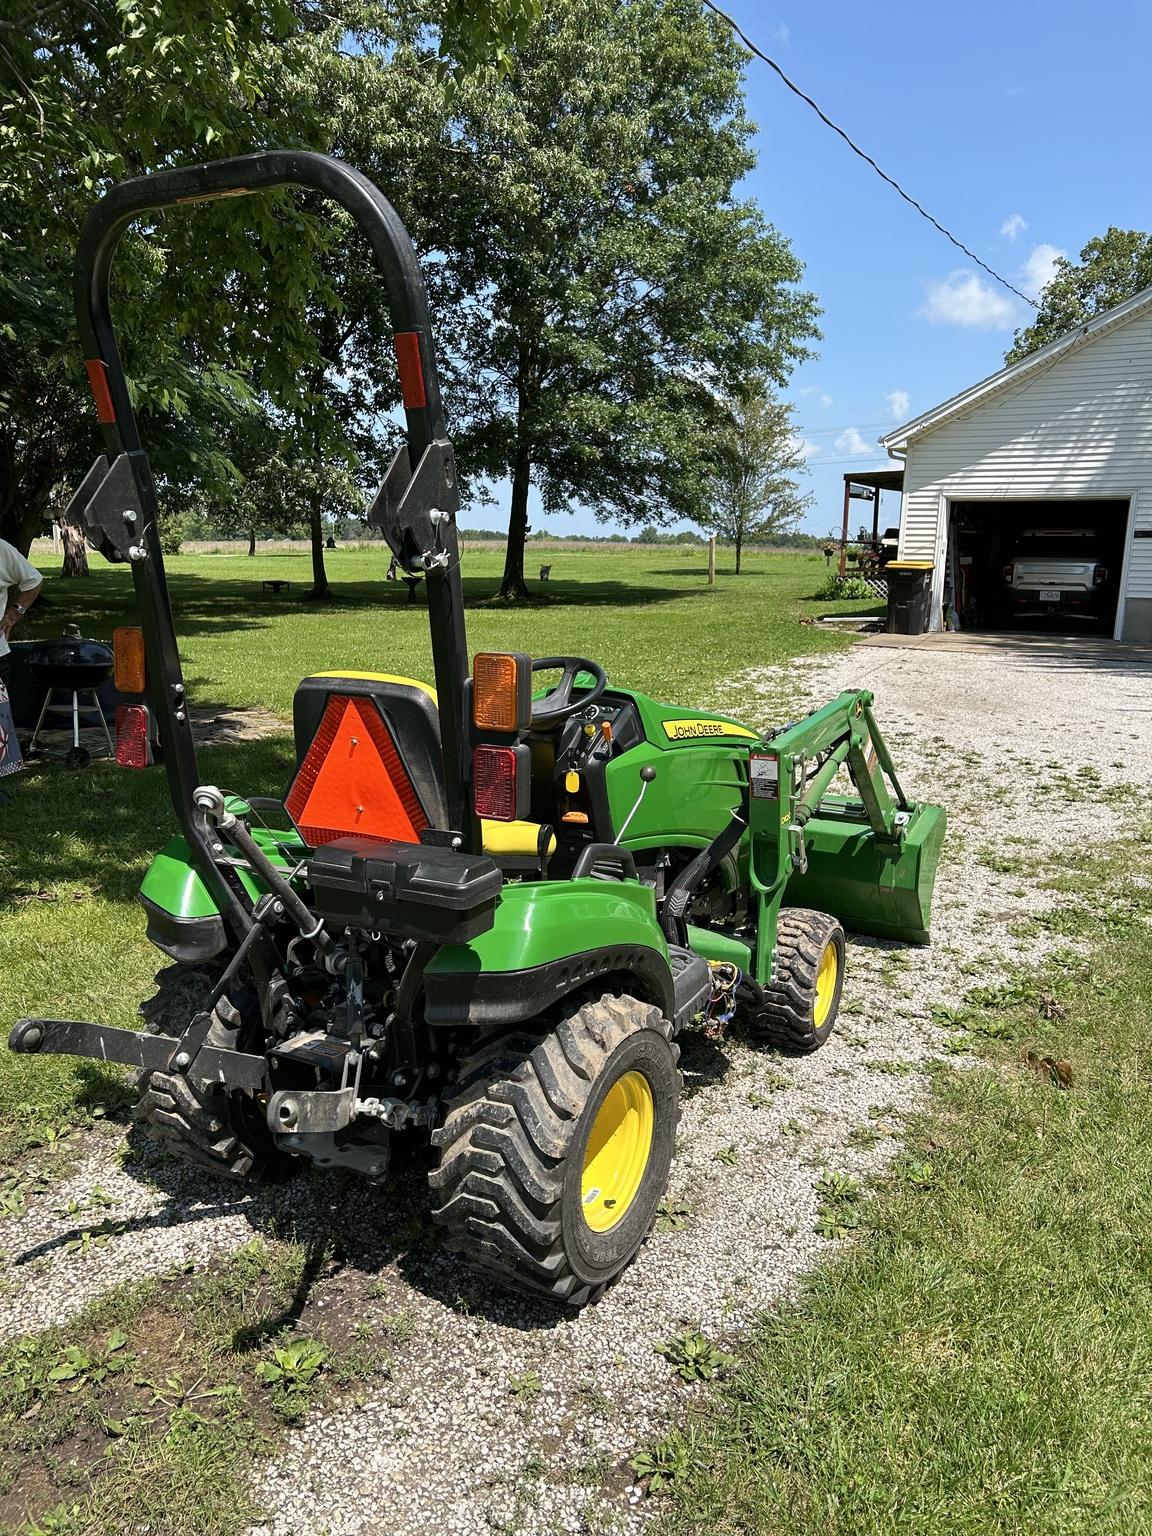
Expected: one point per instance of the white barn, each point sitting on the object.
(1064, 438)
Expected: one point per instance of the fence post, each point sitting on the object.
(712, 561)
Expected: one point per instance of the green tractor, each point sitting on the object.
(484, 910)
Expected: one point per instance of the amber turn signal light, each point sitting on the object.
(501, 691)
(128, 651)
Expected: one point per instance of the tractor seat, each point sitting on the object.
(368, 764)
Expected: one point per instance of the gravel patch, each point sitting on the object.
(1030, 756)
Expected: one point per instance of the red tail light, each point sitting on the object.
(132, 746)
(1008, 573)
(1101, 576)
(500, 782)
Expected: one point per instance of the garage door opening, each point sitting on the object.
(1049, 566)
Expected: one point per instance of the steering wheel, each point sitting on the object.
(558, 703)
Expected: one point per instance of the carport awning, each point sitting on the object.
(878, 479)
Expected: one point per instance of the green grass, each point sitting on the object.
(647, 615)
(160, 1395)
(980, 1361)
(74, 845)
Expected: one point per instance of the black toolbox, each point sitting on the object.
(413, 890)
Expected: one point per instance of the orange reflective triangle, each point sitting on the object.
(352, 782)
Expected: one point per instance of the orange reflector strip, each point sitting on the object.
(497, 696)
(577, 818)
(128, 650)
(98, 380)
(407, 344)
(352, 781)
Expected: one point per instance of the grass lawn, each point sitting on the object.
(647, 615)
(74, 845)
(980, 1362)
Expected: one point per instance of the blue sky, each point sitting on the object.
(1022, 127)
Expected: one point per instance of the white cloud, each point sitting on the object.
(898, 402)
(1040, 268)
(853, 445)
(781, 33)
(1014, 226)
(963, 298)
(804, 447)
(814, 389)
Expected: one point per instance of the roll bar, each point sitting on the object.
(419, 493)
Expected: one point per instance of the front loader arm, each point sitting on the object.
(793, 819)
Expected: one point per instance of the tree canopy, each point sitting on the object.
(567, 169)
(1112, 267)
(605, 269)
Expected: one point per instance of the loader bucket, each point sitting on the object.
(871, 885)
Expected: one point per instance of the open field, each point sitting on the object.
(647, 615)
(913, 1386)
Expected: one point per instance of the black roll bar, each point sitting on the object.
(424, 417)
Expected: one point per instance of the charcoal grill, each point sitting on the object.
(75, 667)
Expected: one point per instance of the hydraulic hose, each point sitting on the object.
(679, 894)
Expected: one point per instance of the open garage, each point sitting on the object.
(1042, 565)
(1027, 499)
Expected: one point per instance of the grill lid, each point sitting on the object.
(71, 659)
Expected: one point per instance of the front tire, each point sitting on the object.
(204, 1124)
(556, 1149)
(803, 999)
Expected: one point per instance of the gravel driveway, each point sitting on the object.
(1030, 752)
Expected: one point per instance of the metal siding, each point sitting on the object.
(1080, 428)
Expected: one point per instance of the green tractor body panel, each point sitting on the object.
(548, 939)
(716, 944)
(701, 774)
(184, 920)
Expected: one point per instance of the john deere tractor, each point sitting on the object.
(483, 910)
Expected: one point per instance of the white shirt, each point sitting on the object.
(15, 571)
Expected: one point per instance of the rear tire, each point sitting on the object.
(204, 1124)
(556, 1149)
(803, 999)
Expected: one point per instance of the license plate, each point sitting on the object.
(1049, 596)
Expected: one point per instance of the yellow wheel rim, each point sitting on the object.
(825, 984)
(618, 1149)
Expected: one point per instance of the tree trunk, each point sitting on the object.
(739, 547)
(513, 586)
(319, 575)
(75, 550)
(251, 541)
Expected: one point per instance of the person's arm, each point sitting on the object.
(15, 611)
(27, 580)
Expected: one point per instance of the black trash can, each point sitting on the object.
(909, 596)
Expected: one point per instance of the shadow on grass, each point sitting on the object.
(97, 828)
(203, 606)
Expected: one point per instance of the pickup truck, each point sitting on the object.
(1056, 572)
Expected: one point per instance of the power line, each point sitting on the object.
(856, 150)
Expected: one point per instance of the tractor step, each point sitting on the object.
(314, 1048)
(692, 981)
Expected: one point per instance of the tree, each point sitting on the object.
(754, 489)
(1112, 267)
(603, 269)
(93, 93)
